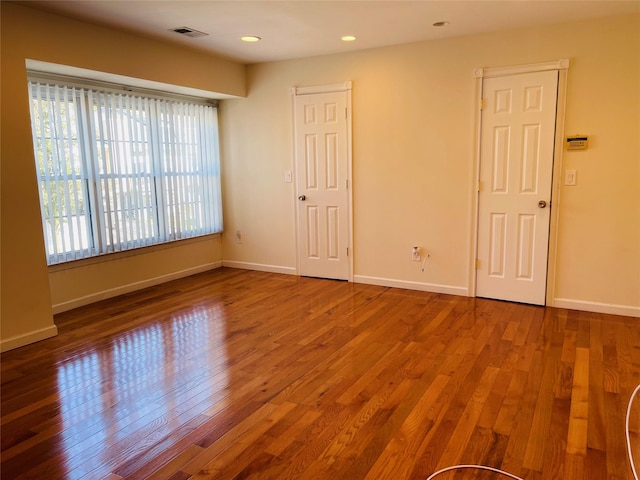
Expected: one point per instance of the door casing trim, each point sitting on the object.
(311, 90)
(562, 66)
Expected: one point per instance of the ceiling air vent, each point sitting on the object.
(189, 32)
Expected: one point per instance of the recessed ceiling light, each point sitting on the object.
(441, 24)
(250, 38)
(348, 38)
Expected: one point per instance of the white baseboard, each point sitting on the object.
(597, 307)
(424, 287)
(260, 267)
(131, 287)
(27, 338)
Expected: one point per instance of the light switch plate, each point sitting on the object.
(287, 176)
(570, 177)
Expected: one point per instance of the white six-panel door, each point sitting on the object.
(516, 165)
(321, 152)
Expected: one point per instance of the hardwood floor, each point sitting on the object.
(252, 375)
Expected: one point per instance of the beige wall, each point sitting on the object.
(413, 159)
(413, 124)
(84, 282)
(26, 298)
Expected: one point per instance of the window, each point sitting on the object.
(118, 170)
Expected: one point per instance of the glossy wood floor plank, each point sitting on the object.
(235, 374)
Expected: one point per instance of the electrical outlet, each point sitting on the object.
(238, 236)
(415, 254)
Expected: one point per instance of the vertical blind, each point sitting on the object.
(118, 171)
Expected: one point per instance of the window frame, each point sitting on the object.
(205, 170)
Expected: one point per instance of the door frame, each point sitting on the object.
(561, 66)
(345, 87)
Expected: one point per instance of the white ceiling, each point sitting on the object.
(304, 28)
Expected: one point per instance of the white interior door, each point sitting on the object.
(516, 165)
(322, 173)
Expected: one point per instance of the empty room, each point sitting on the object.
(320, 240)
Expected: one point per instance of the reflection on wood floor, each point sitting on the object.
(241, 374)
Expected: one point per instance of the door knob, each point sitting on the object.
(542, 204)
(302, 198)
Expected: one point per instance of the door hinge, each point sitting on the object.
(482, 104)
(346, 183)
(479, 186)
(345, 113)
(347, 251)
(477, 264)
